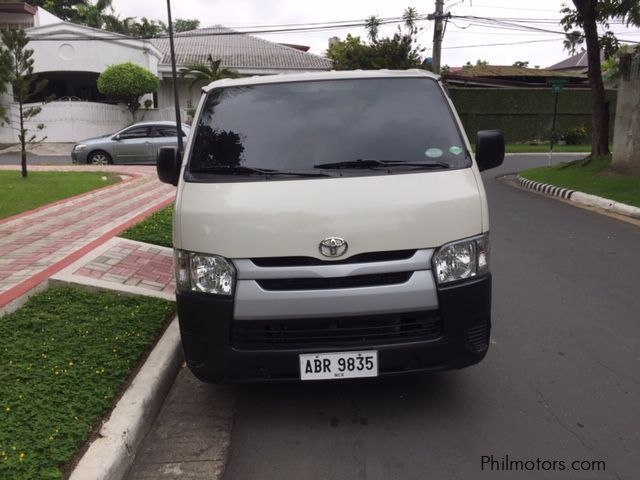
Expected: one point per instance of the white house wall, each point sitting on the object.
(185, 95)
(70, 121)
(87, 55)
(6, 135)
(43, 17)
(65, 47)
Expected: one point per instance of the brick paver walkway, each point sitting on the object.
(37, 244)
(134, 264)
(124, 265)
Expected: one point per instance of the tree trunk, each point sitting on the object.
(599, 109)
(23, 143)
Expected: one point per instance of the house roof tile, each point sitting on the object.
(237, 51)
(578, 61)
(498, 71)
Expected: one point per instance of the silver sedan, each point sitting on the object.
(138, 143)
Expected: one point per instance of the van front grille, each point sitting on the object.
(335, 332)
(368, 257)
(372, 280)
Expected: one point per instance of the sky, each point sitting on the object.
(464, 40)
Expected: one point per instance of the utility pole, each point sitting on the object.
(175, 80)
(438, 33)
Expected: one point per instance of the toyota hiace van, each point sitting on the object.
(330, 225)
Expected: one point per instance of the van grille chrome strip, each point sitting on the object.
(367, 257)
(247, 270)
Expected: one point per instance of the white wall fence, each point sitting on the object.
(158, 114)
(75, 121)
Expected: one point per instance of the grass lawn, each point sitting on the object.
(595, 178)
(155, 229)
(64, 358)
(39, 188)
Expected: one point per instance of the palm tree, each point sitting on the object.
(206, 73)
(410, 18)
(572, 40)
(94, 14)
(372, 24)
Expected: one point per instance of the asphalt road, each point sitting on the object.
(561, 381)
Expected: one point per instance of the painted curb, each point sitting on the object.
(111, 455)
(20, 300)
(545, 188)
(580, 198)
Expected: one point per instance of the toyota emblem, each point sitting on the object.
(333, 247)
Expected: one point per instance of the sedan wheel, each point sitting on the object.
(99, 158)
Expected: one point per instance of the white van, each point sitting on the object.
(330, 225)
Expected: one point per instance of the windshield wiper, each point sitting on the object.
(266, 172)
(372, 163)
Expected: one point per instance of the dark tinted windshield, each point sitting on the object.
(298, 125)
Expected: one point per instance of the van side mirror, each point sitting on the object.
(489, 149)
(117, 138)
(168, 165)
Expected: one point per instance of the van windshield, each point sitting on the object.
(344, 127)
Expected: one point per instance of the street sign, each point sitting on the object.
(557, 84)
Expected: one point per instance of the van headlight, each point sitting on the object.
(198, 272)
(462, 259)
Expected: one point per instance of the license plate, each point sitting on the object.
(331, 366)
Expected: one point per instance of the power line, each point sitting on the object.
(487, 22)
(514, 43)
(196, 33)
(502, 23)
(499, 44)
(513, 8)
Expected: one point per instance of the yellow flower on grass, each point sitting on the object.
(21, 456)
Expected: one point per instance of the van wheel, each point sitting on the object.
(99, 158)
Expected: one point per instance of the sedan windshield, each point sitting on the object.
(396, 125)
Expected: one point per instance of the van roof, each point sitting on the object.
(310, 76)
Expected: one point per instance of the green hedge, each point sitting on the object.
(524, 114)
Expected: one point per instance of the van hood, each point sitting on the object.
(291, 217)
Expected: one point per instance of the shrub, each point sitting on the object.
(575, 135)
(127, 82)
